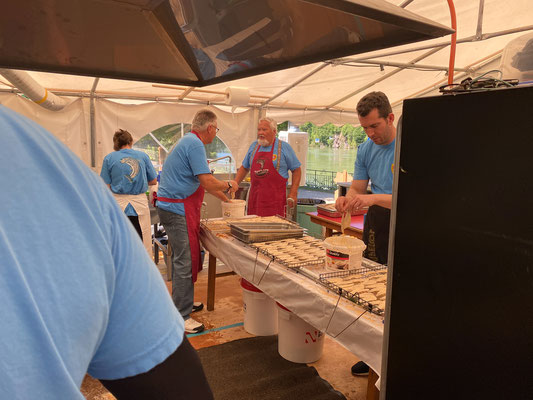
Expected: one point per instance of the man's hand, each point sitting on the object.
(294, 198)
(340, 204)
(234, 186)
(358, 201)
(353, 203)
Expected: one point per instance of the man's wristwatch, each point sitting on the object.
(229, 186)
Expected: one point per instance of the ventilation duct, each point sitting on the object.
(35, 92)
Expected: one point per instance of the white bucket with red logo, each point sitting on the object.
(298, 341)
(260, 311)
(343, 252)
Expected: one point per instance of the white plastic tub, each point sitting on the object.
(298, 341)
(260, 311)
(343, 252)
(233, 208)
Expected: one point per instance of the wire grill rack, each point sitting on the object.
(303, 244)
(369, 270)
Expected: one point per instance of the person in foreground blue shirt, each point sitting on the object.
(128, 173)
(85, 297)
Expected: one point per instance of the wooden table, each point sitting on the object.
(334, 224)
(296, 291)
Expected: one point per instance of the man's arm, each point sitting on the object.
(357, 198)
(296, 177)
(212, 184)
(152, 182)
(220, 195)
(241, 174)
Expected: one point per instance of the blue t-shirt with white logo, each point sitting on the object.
(87, 297)
(128, 171)
(289, 161)
(375, 162)
(179, 177)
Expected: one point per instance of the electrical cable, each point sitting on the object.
(453, 43)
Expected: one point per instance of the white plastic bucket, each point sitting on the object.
(298, 341)
(233, 208)
(260, 311)
(343, 252)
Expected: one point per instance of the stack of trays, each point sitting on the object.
(251, 232)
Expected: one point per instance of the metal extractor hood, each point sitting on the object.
(197, 42)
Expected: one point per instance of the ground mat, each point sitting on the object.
(252, 369)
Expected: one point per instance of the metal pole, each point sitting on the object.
(92, 123)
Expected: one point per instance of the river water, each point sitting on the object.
(329, 159)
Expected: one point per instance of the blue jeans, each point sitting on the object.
(182, 286)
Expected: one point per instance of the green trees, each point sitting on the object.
(330, 135)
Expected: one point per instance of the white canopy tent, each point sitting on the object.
(321, 92)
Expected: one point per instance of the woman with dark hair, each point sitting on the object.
(128, 173)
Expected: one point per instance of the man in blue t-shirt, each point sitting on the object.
(128, 173)
(78, 292)
(184, 179)
(374, 162)
(269, 161)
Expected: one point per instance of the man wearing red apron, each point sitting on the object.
(184, 179)
(269, 161)
(374, 162)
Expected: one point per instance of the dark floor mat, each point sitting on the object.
(252, 369)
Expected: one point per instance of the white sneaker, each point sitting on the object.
(197, 306)
(192, 326)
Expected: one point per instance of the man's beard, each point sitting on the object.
(263, 142)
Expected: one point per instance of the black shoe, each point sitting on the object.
(360, 369)
(197, 306)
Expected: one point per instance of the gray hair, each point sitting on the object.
(202, 119)
(272, 122)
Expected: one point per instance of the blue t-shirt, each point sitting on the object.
(78, 292)
(179, 177)
(375, 162)
(289, 161)
(128, 171)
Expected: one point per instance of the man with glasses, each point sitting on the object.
(184, 179)
(374, 162)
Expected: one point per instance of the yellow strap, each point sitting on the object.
(44, 98)
(279, 155)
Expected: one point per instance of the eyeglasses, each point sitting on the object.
(216, 129)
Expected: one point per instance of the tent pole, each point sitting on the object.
(92, 123)
(386, 76)
(397, 64)
(468, 39)
(479, 30)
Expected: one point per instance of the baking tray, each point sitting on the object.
(328, 210)
(308, 242)
(368, 270)
(250, 232)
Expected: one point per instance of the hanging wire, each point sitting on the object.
(264, 272)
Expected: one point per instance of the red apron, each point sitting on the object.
(268, 191)
(193, 206)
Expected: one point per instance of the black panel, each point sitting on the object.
(461, 321)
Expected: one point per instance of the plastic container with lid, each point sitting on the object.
(343, 252)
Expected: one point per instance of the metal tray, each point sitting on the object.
(329, 211)
(369, 268)
(250, 232)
